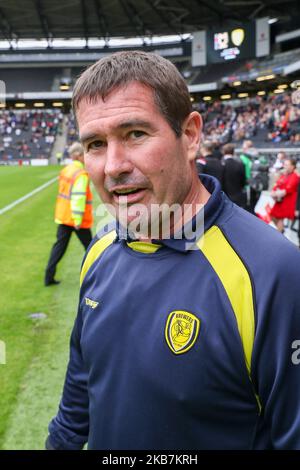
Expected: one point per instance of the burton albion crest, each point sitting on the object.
(182, 330)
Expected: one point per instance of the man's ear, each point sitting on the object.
(191, 132)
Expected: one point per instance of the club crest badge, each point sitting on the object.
(182, 330)
(237, 36)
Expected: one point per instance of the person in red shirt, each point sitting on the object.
(285, 194)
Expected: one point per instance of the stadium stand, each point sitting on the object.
(25, 80)
(269, 121)
(214, 72)
(272, 120)
(71, 133)
(28, 134)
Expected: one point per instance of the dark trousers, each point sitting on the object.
(63, 236)
(254, 197)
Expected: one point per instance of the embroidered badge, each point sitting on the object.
(182, 330)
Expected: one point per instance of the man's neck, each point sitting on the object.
(196, 198)
(194, 201)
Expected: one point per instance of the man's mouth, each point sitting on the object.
(128, 195)
(121, 192)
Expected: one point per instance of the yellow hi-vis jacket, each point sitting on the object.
(74, 199)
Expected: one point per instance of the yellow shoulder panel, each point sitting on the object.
(236, 281)
(94, 253)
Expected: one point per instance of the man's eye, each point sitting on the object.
(97, 144)
(137, 134)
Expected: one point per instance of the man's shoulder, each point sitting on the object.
(233, 162)
(260, 245)
(214, 161)
(105, 232)
(100, 243)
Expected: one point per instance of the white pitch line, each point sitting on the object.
(27, 196)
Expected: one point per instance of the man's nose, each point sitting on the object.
(117, 160)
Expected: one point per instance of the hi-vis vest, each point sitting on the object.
(63, 212)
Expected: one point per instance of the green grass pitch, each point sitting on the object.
(36, 350)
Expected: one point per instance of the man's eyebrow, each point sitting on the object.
(135, 123)
(123, 125)
(85, 137)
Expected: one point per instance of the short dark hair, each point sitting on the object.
(208, 145)
(292, 161)
(282, 153)
(171, 94)
(228, 149)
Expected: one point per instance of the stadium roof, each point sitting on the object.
(21, 19)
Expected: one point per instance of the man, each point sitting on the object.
(211, 165)
(216, 150)
(177, 345)
(279, 163)
(73, 212)
(59, 156)
(246, 157)
(234, 178)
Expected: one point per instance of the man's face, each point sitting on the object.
(288, 167)
(131, 153)
(245, 147)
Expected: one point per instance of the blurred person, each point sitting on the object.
(279, 162)
(259, 178)
(73, 212)
(234, 177)
(276, 168)
(216, 150)
(297, 213)
(209, 164)
(247, 152)
(245, 156)
(59, 156)
(284, 193)
(155, 361)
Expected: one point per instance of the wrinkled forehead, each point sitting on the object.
(133, 103)
(133, 91)
(126, 108)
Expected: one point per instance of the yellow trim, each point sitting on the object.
(94, 253)
(258, 400)
(237, 284)
(91, 303)
(144, 247)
